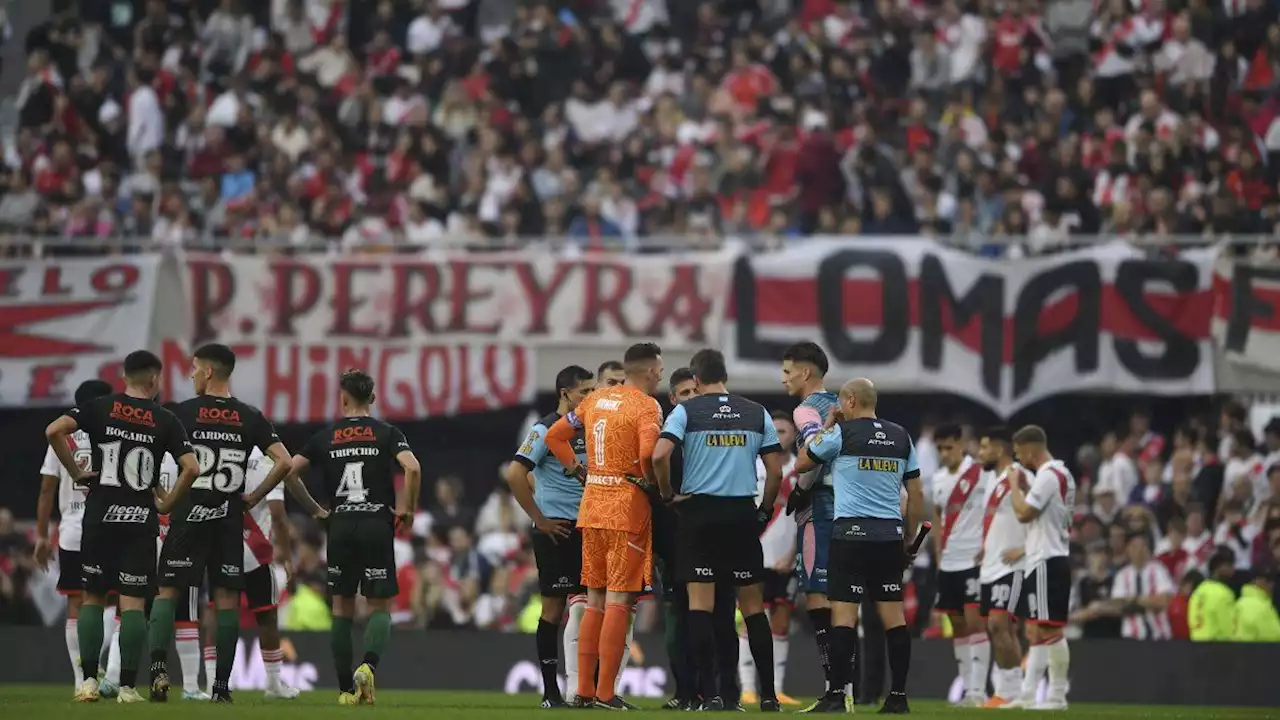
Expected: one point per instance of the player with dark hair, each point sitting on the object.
(129, 432)
(812, 501)
(1004, 542)
(722, 434)
(621, 425)
(356, 456)
(551, 499)
(54, 479)
(610, 373)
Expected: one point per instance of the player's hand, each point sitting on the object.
(86, 478)
(287, 564)
(43, 552)
(834, 415)
(977, 559)
(578, 472)
(909, 557)
(786, 564)
(404, 519)
(798, 500)
(763, 516)
(555, 529)
(1011, 555)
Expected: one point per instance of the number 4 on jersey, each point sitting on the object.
(351, 486)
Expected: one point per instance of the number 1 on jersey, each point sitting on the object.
(351, 486)
(597, 440)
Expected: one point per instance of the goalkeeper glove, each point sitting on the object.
(799, 500)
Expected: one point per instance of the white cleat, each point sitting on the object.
(88, 691)
(281, 692)
(196, 695)
(108, 689)
(1050, 705)
(129, 695)
(1019, 704)
(974, 701)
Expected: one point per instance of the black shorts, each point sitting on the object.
(719, 541)
(780, 588)
(666, 536)
(261, 589)
(1005, 595)
(865, 567)
(70, 580)
(190, 601)
(1047, 587)
(213, 549)
(559, 564)
(957, 590)
(119, 557)
(362, 557)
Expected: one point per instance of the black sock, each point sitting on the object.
(899, 642)
(820, 618)
(760, 638)
(371, 659)
(725, 631)
(844, 641)
(549, 656)
(702, 650)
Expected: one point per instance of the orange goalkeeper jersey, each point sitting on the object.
(622, 425)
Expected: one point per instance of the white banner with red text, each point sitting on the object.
(63, 321)
(1246, 319)
(915, 316)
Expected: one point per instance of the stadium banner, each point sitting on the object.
(1170, 673)
(64, 320)
(1246, 314)
(916, 316)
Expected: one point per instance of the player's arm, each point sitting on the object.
(1028, 504)
(412, 478)
(559, 441)
(773, 457)
(281, 535)
(1158, 601)
(519, 473)
(650, 427)
(821, 449)
(808, 425)
(44, 506)
(298, 466)
(915, 496)
(177, 445)
(57, 433)
(280, 459)
(672, 435)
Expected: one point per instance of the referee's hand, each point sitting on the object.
(799, 500)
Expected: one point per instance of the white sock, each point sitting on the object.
(746, 666)
(960, 645)
(1037, 663)
(73, 649)
(210, 667)
(1010, 682)
(781, 646)
(113, 656)
(109, 627)
(577, 606)
(1059, 666)
(187, 641)
(979, 665)
(626, 653)
(271, 661)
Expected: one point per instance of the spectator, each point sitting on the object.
(1212, 609)
(1256, 618)
(448, 511)
(1118, 474)
(1141, 592)
(1092, 593)
(1244, 477)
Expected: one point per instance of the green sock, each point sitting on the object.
(89, 630)
(161, 634)
(376, 634)
(340, 644)
(225, 639)
(133, 637)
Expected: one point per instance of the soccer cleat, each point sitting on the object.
(770, 705)
(1050, 705)
(346, 699)
(88, 691)
(613, 703)
(974, 701)
(628, 704)
(129, 695)
(675, 703)
(159, 684)
(785, 699)
(281, 692)
(995, 701)
(581, 703)
(829, 703)
(364, 684)
(196, 695)
(222, 696)
(749, 697)
(552, 703)
(715, 704)
(895, 704)
(108, 689)
(1018, 704)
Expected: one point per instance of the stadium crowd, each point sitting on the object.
(426, 123)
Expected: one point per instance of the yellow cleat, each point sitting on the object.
(786, 699)
(129, 695)
(88, 691)
(750, 698)
(347, 700)
(364, 684)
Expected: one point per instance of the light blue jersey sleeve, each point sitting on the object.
(826, 445)
(673, 428)
(769, 441)
(534, 447)
(913, 464)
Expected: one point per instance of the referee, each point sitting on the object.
(871, 460)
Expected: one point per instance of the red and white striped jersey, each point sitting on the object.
(258, 547)
(1001, 530)
(779, 537)
(958, 497)
(1150, 580)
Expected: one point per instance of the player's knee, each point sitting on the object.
(891, 614)
(844, 614)
(816, 601)
(780, 619)
(553, 609)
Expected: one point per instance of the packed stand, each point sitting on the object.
(428, 123)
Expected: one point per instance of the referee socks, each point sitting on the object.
(548, 657)
(702, 650)
(898, 641)
(760, 637)
(844, 643)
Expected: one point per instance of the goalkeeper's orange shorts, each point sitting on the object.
(617, 560)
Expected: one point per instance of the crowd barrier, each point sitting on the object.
(1107, 671)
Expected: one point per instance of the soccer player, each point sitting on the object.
(621, 424)
(206, 530)
(610, 374)
(552, 504)
(355, 456)
(812, 501)
(778, 542)
(55, 479)
(871, 460)
(1045, 508)
(1003, 544)
(722, 435)
(129, 432)
(958, 491)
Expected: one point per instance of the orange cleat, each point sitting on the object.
(995, 701)
(786, 699)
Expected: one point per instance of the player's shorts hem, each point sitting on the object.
(185, 624)
(70, 593)
(263, 608)
(972, 605)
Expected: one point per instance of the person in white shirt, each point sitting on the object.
(778, 543)
(1244, 478)
(1045, 508)
(957, 489)
(1004, 541)
(1117, 474)
(146, 119)
(1141, 591)
(54, 478)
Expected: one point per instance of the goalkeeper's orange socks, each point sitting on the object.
(589, 651)
(613, 644)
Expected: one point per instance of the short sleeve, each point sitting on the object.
(807, 421)
(769, 442)
(51, 465)
(266, 464)
(1164, 581)
(264, 433)
(313, 451)
(176, 442)
(673, 428)
(399, 443)
(1043, 487)
(534, 447)
(913, 462)
(826, 445)
(85, 416)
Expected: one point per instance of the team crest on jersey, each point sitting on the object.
(126, 514)
(527, 446)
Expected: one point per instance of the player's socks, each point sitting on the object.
(843, 645)
(626, 652)
(133, 638)
(613, 647)
(781, 648)
(226, 637)
(271, 660)
(89, 631)
(572, 627)
(674, 634)
(377, 631)
(760, 637)
(724, 630)
(72, 635)
(898, 641)
(702, 649)
(960, 646)
(188, 646)
(1059, 666)
(113, 655)
(161, 632)
(820, 618)
(210, 665)
(1037, 663)
(341, 646)
(979, 665)
(589, 651)
(746, 667)
(548, 657)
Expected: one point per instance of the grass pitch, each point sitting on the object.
(18, 702)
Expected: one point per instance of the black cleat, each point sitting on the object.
(159, 683)
(614, 703)
(675, 703)
(770, 705)
(222, 695)
(895, 704)
(715, 704)
(581, 703)
(829, 703)
(549, 703)
(626, 704)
